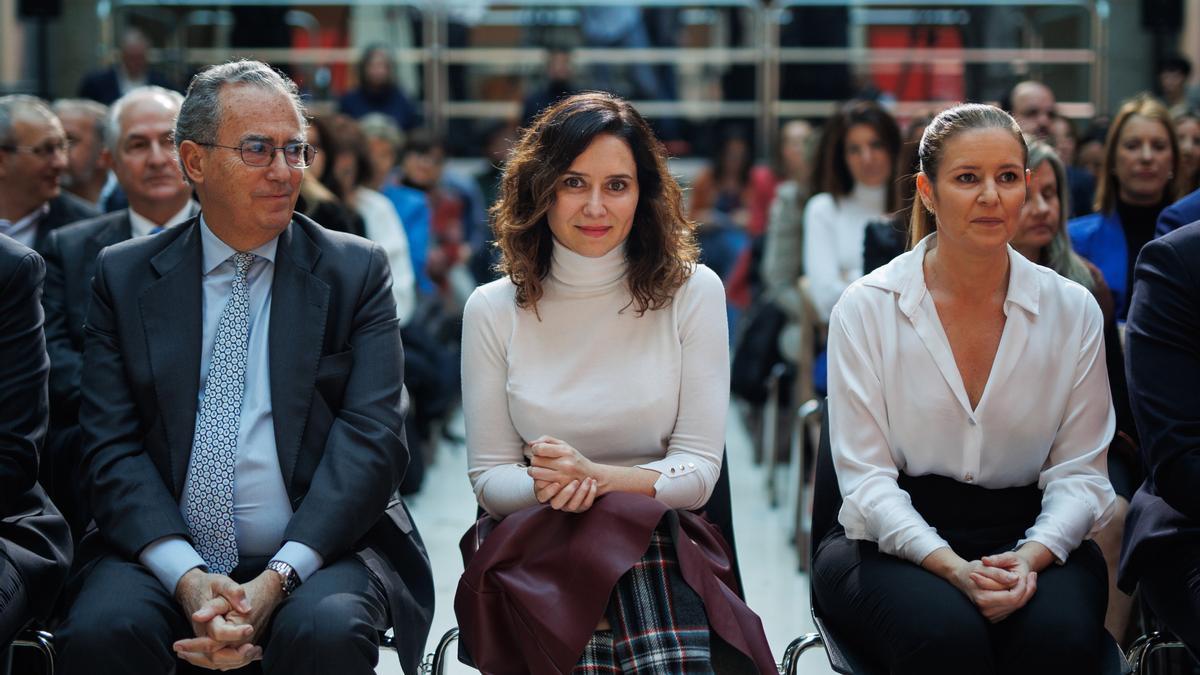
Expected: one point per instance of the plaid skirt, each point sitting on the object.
(658, 623)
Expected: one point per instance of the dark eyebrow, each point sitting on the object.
(972, 167)
(268, 139)
(582, 175)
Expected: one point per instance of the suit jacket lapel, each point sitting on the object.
(299, 305)
(171, 315)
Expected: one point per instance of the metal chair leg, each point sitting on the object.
(770, 435)
(437, 665)
(1145, 646)
(43, 642)
(791, 655)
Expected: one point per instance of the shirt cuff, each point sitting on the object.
(302, 558)
(671, 488)
(169, 558)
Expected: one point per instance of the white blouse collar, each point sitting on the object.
(905, 275)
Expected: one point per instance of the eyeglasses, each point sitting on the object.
(261, 153)
(43, 151)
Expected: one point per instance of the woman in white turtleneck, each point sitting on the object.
(595, 388)
(856, 180)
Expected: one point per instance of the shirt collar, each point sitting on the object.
(906, 275)
(28, 218)
(141, 225)
(216, 251)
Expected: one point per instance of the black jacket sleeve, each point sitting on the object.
(24, 368)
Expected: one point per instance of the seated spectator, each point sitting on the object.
(378, 92)
(35, 543)
(1033, 106)
(1080, 182)
(1089, 154)
(1187, 129)
(1041, 238)
(570, 426)
(87, 163)
(131, 71)
(33, 159)
(1173, 75)
(783, 249)
(729, 201)
(352, 169)
(1135, 183)
(887, 238)
(1161, 552)
(321, 197)
(485, 256)
(961, 546)
(142, 156)
(856, 179)
(243, 475)
(384, 141)
(558, 84)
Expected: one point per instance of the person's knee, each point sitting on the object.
(100, 636)
(945, 642)
(332, 624)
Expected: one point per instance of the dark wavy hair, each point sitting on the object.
(661, 249)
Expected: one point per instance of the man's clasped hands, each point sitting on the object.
(229, 618)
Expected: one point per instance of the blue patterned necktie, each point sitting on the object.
(209, 511)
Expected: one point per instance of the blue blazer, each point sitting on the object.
(1182, 212)
(1162, 342)
(1100, 238)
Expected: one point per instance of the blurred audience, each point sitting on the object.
(87, 164)
(321, 196)
(33, 158)
(559, 83)
(1033, 107)
(1173, 75)
(1135, 183)
(1187, 129)
(139, 148)
(130, 71)
(378, 92)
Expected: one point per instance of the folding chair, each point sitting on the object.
(827, 501)
(30, 638)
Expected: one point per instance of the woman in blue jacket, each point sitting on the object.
(1136, 181)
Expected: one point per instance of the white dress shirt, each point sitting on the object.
(834, 230)
(897, 403)
(25, 228)
(649, 391)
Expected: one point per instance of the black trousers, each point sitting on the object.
(122, 621)
(1172, 590)
(909, 620)
(14, 607)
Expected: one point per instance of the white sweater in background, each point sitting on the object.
(834, 229)
(383, 226)
(649, 391)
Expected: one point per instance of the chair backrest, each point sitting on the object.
(827, 497)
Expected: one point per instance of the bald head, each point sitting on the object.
(1033, 107)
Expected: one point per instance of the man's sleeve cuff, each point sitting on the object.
(304, 559)
(169, 558)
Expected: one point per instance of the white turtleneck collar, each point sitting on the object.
(583, 273)
(873, 198)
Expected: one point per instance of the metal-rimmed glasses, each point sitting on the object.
(43, 151)
(261, 153)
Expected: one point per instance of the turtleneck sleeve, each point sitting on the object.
(624, 389)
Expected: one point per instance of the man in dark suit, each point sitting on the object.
(142, 156)
(242, 423)
(132, 70)
(1161, 551)
(33, 157)
(35, 545)
(1182, 212)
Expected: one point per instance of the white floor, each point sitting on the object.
(775, 589)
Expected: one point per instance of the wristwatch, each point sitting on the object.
(291, 580)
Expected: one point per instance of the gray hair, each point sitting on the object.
(20, 105)
(200, 115)
(1058, 254)
(97, 111)
(112, 132)
(383, 127)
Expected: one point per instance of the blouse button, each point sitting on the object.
(672, 469)
(970, 477)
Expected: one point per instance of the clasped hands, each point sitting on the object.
(562, 477)
(998, 585)
(229, 618)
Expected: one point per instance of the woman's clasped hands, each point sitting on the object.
(998, 584)
(562, 477)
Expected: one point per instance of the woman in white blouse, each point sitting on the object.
(595, 383)
(855, 180)
(970, 416)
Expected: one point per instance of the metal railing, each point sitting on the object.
(765, 52)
